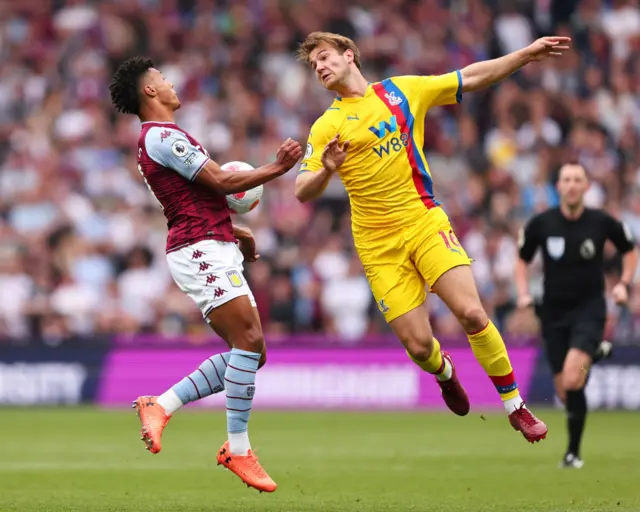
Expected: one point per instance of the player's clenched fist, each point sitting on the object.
(334, 154)
(289, 153)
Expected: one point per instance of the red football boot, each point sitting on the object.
(453, 393)
(523, 420)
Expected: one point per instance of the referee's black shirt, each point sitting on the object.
(573, 252)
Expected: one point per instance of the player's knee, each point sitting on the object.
(473, 318)
(250, 338)
(419, 348)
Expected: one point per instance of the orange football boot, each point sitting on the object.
(247, 468)
(153, 419)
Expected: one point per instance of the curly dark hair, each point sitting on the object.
(124, 84)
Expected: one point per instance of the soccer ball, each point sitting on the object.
(242, 202)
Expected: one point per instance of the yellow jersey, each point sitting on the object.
(385, 173)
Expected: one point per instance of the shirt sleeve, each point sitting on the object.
(620, 234)
(174, 151)
(433, 90)
(321, 133)
(529, 240)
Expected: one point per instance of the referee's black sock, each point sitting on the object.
(576, 416)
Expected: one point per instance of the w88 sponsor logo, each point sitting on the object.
(393, 145)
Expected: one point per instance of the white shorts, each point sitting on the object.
(210, 272)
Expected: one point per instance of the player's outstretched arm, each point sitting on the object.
(224, 182)
(311, 185)
(483, 74)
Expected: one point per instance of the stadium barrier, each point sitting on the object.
(372, 375)
(42, 375)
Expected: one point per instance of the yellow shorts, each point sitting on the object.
(400, 266)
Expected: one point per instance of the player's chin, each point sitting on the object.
(330, 83)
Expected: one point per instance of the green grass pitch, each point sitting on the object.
(67, 460)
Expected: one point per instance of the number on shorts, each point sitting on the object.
(149, 186)
(449, 239)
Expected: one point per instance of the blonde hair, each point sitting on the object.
(340, 43)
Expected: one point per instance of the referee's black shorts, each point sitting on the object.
(581, 327)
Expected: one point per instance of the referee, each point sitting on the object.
(573, 311)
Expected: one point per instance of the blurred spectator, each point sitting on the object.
(346, 300)
(82, 246)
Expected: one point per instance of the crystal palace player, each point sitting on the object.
(372, 135)
(203, 258)
(573, 312)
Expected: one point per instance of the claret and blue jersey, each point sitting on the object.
(169, 160)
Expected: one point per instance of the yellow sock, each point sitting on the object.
(435, 363)
(490, 351)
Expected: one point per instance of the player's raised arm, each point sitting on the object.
(225, 182)
(310, 185)
(483, 74)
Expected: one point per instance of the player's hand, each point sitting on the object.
(620, 293)
(247, 243)
(525, 301)
(548, 47)
(289, 154)
(334, 154)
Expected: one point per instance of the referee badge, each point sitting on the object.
(555, 247)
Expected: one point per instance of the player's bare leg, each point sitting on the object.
(239, 323)
(574, 379)
(414, 332)
(458, 291)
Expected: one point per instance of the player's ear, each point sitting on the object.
(348, 54)
(149, 90)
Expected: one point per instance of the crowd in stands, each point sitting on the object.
(82, 241)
